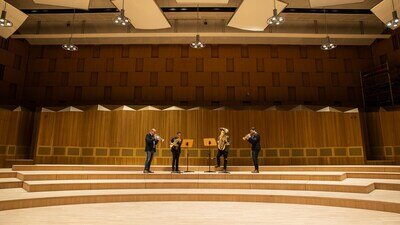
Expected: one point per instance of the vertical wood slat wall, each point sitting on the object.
(117, 137)
(178, 75)
(15, 134)
(384, 135)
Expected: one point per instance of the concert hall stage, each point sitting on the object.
(360, 187)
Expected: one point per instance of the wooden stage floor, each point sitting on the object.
(197, 213)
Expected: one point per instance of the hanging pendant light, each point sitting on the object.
(197, 43)
(4, 22)
(70, 46)
(328, 45)
(275, 19)
(121, 18)
(394, 23)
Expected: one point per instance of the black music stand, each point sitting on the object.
(209, 142)
(187, 143)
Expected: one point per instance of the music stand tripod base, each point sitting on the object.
(209, 142)
(209, 163)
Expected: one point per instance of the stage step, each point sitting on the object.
(380, 162)
(350, 185)
(10, 183)
(88, 175)
(11, 162)
(7, 173)
(349, 168)
(380, 200)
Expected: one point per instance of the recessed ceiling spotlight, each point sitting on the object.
(70, 46)
(4, 22)
(121, 18)
(328, 45)
(197, 44)
(275, 19)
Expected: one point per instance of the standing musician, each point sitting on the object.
(152, 140)
(175, 145)
(254, 138)
(223, 147)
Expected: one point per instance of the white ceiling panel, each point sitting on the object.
(75, 4)
(384, 10)
(202, 1)
(252, 15)
(325, 3)
(15, 16)
(144, 14)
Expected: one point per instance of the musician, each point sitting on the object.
(175, 145)
(223, 147)
(254, 138)
(152, 140)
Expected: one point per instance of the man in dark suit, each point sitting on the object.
(151, 145)
(254, 139)
(175, 144)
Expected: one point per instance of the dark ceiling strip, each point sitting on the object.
(194, 9)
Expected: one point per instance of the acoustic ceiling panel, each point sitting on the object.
(16, 16)
(75, 4)
(384, 10)
(325, 3)
(252, 15)
(202, 1)
(144, 14)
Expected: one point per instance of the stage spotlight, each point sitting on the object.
(70, 46)
(4, 22)
(197, 43)
(394, 23)
(276, 19)
(121, 18)
(328, 45)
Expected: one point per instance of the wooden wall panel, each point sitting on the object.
(280, 131)
(96, 70)
(15, 134)
(383, 135)
(13, 66)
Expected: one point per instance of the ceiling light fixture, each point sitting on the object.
(197, 43)
(328, 45)
(276, 19)
(121, 18)
(4, 22)
(394, 23)
(70, 46)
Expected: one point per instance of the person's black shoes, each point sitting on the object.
(255, 171)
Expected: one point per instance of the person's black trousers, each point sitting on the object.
(149, 158)
(254, 155)
(175, 160)
(223, 153)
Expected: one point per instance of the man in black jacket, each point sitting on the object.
(151, 145)
(175, 144)
(254, 139)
